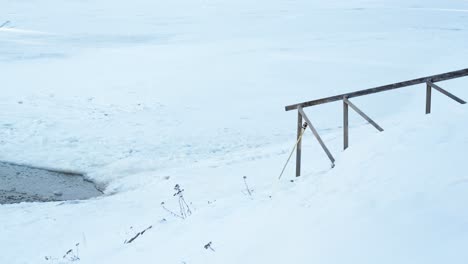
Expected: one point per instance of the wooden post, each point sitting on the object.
(299, 144)
(428, 98)
(345, 124)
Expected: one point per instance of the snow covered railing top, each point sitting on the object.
(428, 80)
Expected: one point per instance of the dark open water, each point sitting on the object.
(27, 184)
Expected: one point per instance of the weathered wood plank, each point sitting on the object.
(299, 144)
(367, 118)
(345, 124)
(434, 78)
(317, 136)
(428, 98)
(438, 88)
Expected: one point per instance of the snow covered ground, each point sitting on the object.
(144, 95)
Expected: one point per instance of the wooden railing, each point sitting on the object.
(430, 84)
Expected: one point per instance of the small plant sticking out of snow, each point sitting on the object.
(137, 235)
(69, 256)
(208, 246)
(5, 24)
(249, 191)
(169, 211)
(72, 255)
(50, 259)
(184, 208)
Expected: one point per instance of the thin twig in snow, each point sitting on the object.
(5, 23)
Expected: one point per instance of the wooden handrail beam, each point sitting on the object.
(429, 81)
(432, 79)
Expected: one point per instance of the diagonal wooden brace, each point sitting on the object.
(317, 136)
(367, 118)
(347, 103)
(435, 86)
(430, 85)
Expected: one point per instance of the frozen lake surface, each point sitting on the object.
(26, 184)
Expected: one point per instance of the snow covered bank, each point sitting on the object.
(146, 95)
(392, 198)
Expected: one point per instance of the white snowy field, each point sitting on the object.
(143, 95)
